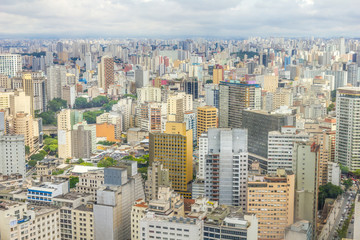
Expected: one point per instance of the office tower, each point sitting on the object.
(106, 73)
(68, 94)
(271, 198)
(10, 64)
(157, 176)
(192, 87)
(206, 118)
(5, 81)
(88, 61)
(20, 102)
(161, 227)
(66, 120)
(251, 67)
(38, 64)
(342, 48)
(56, 79)
(352, 75)
(114, 202)
(59, 47)
(81, 143)
(212, 95)
(341, 77)
(306, 167)
(12, 157)
(280, 148)
(274, 100)
(174, 149)
(226, 166)
(347, 107)
(141, 78)
(264, 59)
(259, 124)
(175, 108)
(267, 82)
(218, 74)
(190, 120)
(228, 222)
(234, 98)
(148, 94)
(23, 125)
(33, 84)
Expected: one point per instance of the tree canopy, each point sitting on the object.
(57, 104)
(90, 116)
(107, 162)
(328, 191)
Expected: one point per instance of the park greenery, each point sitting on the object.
(106, 143)
(50, 148)
(344, 169)
(99, 101)
(107, 162)
(49, 117)
(328, 191)
(90, 116)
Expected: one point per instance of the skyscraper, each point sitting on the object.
(206, 118)
(23, 125)
(353, 75)
(174, 149)
(56, 79)
(106, 73)
(234, 98)
(10, 64)
(226, 166)
(12, 157)
(347, 123)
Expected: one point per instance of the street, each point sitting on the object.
(339, 216)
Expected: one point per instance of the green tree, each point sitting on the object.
(108, 106)
(73, 181)
(348, 183)
(357, 173)
(130, 95)
(106, 143)
(57, 104)
(90, 116)
(48, 118)
(57, 172)
(87, 164)
(81, 102)
(80, 161)
(27, 150)
(43, 152)
(330, 107)
(328, 191)
(99, 101)
(107, 162)
(32, 163)
(344, 169)
(37, 157)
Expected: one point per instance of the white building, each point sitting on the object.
(56, 79)
(12, 154)
(347, 125)
(280, 147)
(125, 108)
(357, 218)
(10, 64)
(148, 94)
(47, 191)
(203, 151)
(334, 173)
(226, 166)
(159, 227)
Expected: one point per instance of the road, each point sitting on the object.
(339, 216)
(350, 233)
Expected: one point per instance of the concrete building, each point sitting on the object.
(141, 78)
(271, 198)
(212, 95)
(44, 193)
(206, 118)
(161, 227)
(226, 166)
(157, 177)
(234, 98)
(333, 173)
(306, 168)
(56, 80)
(218, 74)
(357, 218)
(178, 104)
(88, 127)
(5, 81)
(268, 83)
(174, 149)
(10, 64)
(227, 222)
(126, 108)
(106, 73)
(150, 116)
(24, 125)
(81, 142)
(347, 106)
(148, 94)
(300, 230)
(280, 148)
(112, 118)
(274, 100)
(12, 157)
(89, 182)
(138, 212)
(191, 123)
(20, 102)
(68, 94)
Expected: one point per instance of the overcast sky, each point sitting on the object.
(176, 18)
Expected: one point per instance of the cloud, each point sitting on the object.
(175, 18)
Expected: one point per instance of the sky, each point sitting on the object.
(176, 18)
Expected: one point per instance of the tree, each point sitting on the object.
(328, 191)
(80, 161)
(108, 106)
(73, 181)
(209, 81)
(43, 152)
(32, 163)
(37, 157)
(107, 162)
(348, 183)
(357, 173)
(90, 116)
(81, 102)
(99, 101)
(57, 104)
(49, 118)
(344, 169)
(87, 164)
(27, 150)
(331, 107)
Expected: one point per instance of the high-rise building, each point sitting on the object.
(218, 74)
(5, 81)
(271, 198)
(259, 124)
(141, 78)
(226, 166)
(106, 73)
(342, 47)
(157, 177)
(175, 109)
(234, 98)
(353, 75)
(56, 80)
(347, 123)
(10, 64)
(212, 95)
(206, 118)
(12, 157)
(191, 123)
(20, 102)
(306, 169)
(280, 148)
(148, 94)
(23, 125)
(174, 149)
(81, 142)
(68, 94)
(192, 87)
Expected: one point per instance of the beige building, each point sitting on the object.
(206, 118)
(268, 83)
(178, 104)
(138, 212)
(271, 198)
(157, 176)
(5, 81)
(19, 102)
(5, 99)
(148, 94)
(83, 219)
(89, 182)
(23, 125)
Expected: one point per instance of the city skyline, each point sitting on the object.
(160, 18)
